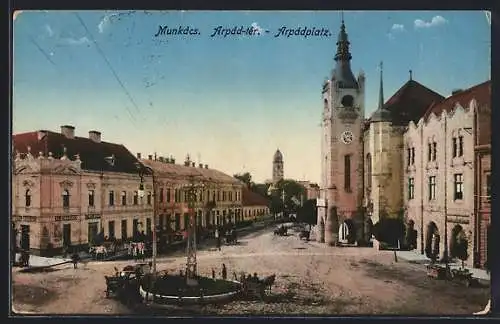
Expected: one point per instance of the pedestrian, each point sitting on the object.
(224, 272)
(75, 257)
(213, 273)
(217, 237)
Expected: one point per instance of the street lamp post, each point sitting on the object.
(140, 192)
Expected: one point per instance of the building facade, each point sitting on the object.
(383, 148)
(218, 195)
(343, 98)
(75, 188)
(482, 201)
(278, 167)
(254, 205)
(440, 176)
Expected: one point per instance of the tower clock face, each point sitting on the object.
(346, 137)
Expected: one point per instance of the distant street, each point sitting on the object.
(311, 279)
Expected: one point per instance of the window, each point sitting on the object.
(168, 194)
(136, 198)
(223, 196)
(111, 198)
(218, 195)
(408, 160)
(149, 198)
(412, 156)
(91, 198)
(434, 151)
(454, 146)
(432, 187)
(66, 198)
(176, 195)
(488, 187)
(347, 173)
(429, 152)
(111, 229)
(186, 195)
(369, 168)
(459, 186)
(124, 229)
(161, 195)
(124, 198)
(411, 188)
(460, 146)
(27, 198)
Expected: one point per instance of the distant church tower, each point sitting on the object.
(341, 190)
(277, 167)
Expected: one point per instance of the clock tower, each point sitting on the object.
(343, 98)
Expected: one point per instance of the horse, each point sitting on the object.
(268, 282)
(99, 252)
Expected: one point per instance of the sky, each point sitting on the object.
(231, 101)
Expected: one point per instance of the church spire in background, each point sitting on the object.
(381, 91)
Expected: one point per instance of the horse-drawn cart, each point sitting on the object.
(253, 287)
(281, 231)
(125, 282)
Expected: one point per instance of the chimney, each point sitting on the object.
(200, 165)
(139, 156)
(68, 131)
(150, 157)
(155, 156)
(455, 91)
(193, 164)
(95, 136)
(206, 166)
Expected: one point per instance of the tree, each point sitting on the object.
(461, 247)
(246, 178)
(308, 212)
(389, 230)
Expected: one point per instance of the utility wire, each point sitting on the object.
(41, 50)
(99, 50)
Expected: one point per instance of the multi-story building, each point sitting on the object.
(254, 205)
(311, 190)
(439, 176)
(68, 189)
(383, 147)
(218, 195)
(482, 191)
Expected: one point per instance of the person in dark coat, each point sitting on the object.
(75, 258)
(224, 272)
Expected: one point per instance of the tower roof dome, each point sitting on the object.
(278, 157)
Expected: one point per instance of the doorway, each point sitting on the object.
(92, 232)
(66, 235)
(25, 237)
(111, 229)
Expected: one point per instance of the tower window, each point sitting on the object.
(454, 146)
(432, 187)
(347, 101)
(460, 146)
(459, 186)
(27, 198)
(65, 196)
(347, 173)
(434, 151)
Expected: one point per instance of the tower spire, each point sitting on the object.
(381, 91)
(342, 73)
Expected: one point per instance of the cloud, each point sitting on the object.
(76, 41)
(398, 27)
(259, 30)
(49, 30)
(435, 21)
(105, 22)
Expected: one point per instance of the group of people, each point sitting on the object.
(137, 250)
(228, 233)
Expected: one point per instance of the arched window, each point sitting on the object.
(124, 198)
(369, 170)
(27, 198)
(65, 196)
